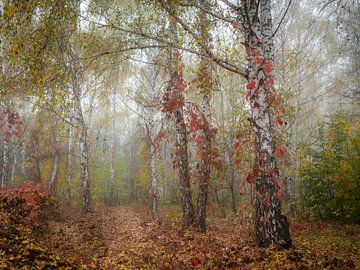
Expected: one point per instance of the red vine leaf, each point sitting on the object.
(251, 85)
(268, 67)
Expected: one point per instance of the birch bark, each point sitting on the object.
(55, 167)
(5, 157)
(205, 84)
(112, 150)
(69, 166)
(181, 146)
(271, 225)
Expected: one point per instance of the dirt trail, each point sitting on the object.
(134, 241)
(126, 234)
(121, 228)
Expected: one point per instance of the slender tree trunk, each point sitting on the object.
(5, 165)
(13, 169)
(36, 155)
(23, 164)
(69, 165)
(112, 151)
(153, 176)
(205, 85)
(84, 157)
(223, 212)
(204, 166)
(271, 225)
(181, 146)
(183, 169)
(55, 167)
(84, 168)
(232, 182)
(83, 136)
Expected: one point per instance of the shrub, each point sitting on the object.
(331, 170)
(29, 204)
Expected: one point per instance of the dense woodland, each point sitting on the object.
(180, 134)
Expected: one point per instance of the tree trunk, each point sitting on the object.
(153, 177)
(271, 225)
(13, 170)
(23, 164)
(5, 165)
(205, 85)
(36, 155)
(84, 167)
(55, 168)
(83, 136)
(69, 166)
(204, 166)
(232, 182)
(181, 146)
(183, 169)
(112, 152)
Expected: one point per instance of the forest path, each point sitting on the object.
(135, 241)
(126, 233)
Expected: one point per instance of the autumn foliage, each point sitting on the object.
(28, 204)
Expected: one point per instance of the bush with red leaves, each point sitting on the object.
(29, 204)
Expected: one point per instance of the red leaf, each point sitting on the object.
(277, 184)
(194, 261)
(269, 83)
(250, 179)
(251, 85)
(268, 67)
(259, 60)
(350, 263)
(267, 200)
(280, 151)
(257, 52)
(235, 25)
(281, 193)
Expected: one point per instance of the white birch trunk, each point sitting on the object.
(84, 157)
(13, 169)
(55, 167)
(112, 152)
(271, 225)
(205, 160)
(69, 166)
(153, 177)
(23, 164)
(5, 166)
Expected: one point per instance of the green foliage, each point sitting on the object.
(331, 170)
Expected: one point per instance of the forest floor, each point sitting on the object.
(125, 237)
